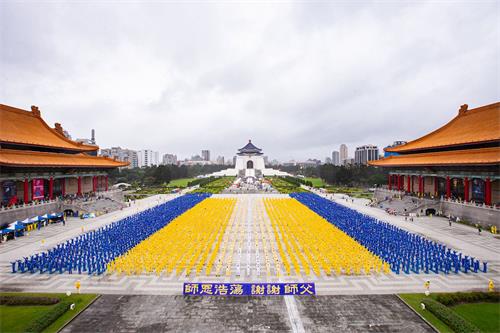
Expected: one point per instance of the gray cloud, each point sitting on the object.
(297, 78)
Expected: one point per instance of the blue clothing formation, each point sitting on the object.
(91, 252)
(402, 250)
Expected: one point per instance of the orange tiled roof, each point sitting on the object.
(28, 128)
(27, 158)
(470, 126)
(481, 156)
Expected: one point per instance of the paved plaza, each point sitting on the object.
(138, 313)
(248, 241)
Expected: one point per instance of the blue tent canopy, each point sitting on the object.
(16, 225)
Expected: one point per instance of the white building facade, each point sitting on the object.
(344, 153)
(365, 153)
(148, 158)
(169, 159)
(249, 162)
(125, 155)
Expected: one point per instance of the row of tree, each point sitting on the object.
(352, 176)
(162, 174)
(331, 174)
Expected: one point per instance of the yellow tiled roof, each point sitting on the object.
(23, 127)
(470, 126)
(481, 156)
(26, 158)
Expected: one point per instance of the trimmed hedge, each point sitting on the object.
(449, 317)
(27, 300)
(472, 297)
(39, 324)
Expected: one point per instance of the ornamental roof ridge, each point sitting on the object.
(478, 125)
(22, 127)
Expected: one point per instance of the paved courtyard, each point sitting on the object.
(245, 265)
(127, 313)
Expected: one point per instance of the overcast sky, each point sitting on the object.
(297, 78)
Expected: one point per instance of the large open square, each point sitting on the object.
(249, 166)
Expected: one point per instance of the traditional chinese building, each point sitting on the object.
(249, 163)
(40, 162)
(460, 160)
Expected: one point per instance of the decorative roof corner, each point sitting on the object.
(35, 111)
(463, 109)
(58, 128)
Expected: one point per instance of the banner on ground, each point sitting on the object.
(249, 289)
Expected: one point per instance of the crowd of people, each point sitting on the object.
(404, 251)
(91, 252)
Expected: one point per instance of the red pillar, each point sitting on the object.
(51, 188)
(436, 186)
(94, 184)
(79, 185)
(26, 190)
(448, 187)
(408, 183)
(487, 192)
(389, 182)
(106, 178)
(63, 186)
(466, 189)
(419, 185)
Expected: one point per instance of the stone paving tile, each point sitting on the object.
(359, 313)
(114, 313)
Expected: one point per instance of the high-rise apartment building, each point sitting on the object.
(148, 158)
(205, 154)
(220, 160)
(169, 159)
(344, 154)
(365, 153)
(335, 158)
(125, 155)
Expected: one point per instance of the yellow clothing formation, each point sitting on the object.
(307, 242)
(187, 244)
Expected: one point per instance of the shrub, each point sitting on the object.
(27, 300)
(471, 297)
(41, 323)
(449, 317)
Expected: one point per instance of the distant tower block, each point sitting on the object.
(92, 137)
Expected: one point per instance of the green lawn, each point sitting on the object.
(182, 182)
(17, 318)
(354, 192)
(414, 300)
(216, 186)
(485, 316)
(282, 186)
(317, 182)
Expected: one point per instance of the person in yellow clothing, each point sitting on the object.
(77, 286)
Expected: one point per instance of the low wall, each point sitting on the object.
(480, 215)
(12, 215)
(470, 213)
